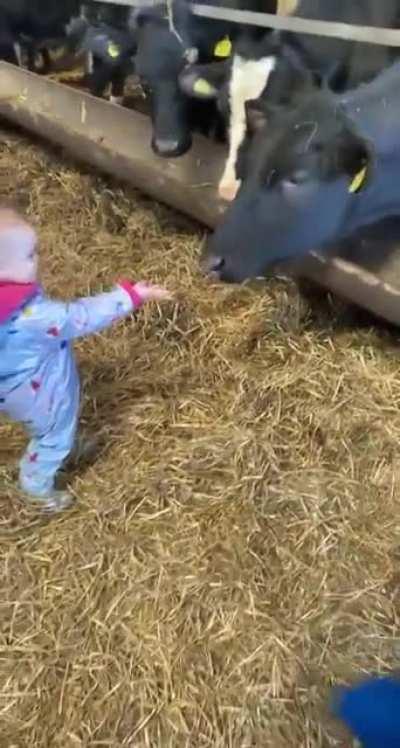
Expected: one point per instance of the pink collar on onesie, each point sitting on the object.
(13, 296)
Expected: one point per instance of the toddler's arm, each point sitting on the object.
(85, 316)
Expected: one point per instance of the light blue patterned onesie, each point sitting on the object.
(39, 383)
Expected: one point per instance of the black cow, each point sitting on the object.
(103, 33)
(277, 65)
(9, 47)
(167, 39)
(322, 170)
(344, 63)
(267, 68)
(34, 25)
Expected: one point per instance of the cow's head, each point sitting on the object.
(76, 30)
(163, 49)
(266, 67)
(303, 173)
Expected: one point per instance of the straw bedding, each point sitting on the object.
(234, 547)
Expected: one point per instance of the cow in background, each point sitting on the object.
(33, 27)
(169, 38)
(103, 33)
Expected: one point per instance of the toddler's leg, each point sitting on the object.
(50, 445)
(48, 407)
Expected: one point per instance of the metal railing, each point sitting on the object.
(349, 32)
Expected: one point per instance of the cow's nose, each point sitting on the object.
(166, 147)
(169, 148)
(213, 265)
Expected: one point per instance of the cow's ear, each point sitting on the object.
(141, 14)
(195, 83)
(330, 79)
(256, 117)
(355, 160)
(135, 18)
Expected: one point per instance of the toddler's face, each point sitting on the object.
(18, 253)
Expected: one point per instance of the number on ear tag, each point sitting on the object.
(113, 50)
(223, 48)
(203, 87)
(358, 180)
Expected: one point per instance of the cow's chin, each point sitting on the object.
(217, 270)
(228, 190)
(228, 269)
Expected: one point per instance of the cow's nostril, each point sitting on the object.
(215, 264)
(166, 147)
(170, 148)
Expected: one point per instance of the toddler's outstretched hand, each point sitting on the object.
(150, 292)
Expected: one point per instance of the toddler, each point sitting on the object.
(39, 384)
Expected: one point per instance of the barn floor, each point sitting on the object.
(234, 547)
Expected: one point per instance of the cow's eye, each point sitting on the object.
(146, 90)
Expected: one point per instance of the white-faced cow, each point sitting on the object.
(168, 37)
(275, 67)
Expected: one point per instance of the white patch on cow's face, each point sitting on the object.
(248, 80)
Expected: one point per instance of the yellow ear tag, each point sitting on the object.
(358, 180)
(203, 87)
(223, 48)
(113, 50)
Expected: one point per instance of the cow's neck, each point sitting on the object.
(381, 199)
(375, 111)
